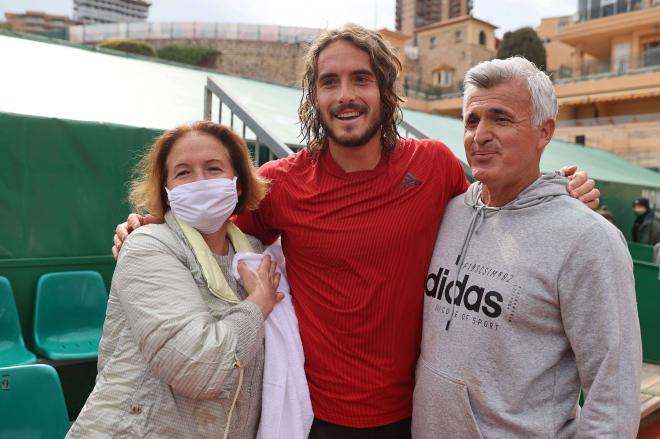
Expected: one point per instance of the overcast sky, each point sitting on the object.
(506, 14)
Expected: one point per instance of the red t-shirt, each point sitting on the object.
(357, 248)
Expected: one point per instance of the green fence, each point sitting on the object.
(641, 252)
(647, 286)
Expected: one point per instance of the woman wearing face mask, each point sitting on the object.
(182, 348)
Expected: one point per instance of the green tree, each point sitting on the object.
(130, 46)
(5, 25)
(197, 56)
(524, 42)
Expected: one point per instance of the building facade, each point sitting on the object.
(446, 50)
(110, 11)
(37, 22)
(606, 73)
(411, 14)
(609, 88)
(559, 56)
(592, 9)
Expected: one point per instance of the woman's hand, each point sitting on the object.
(262, 285)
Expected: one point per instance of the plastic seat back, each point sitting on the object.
(69, 314)
(32, 403)
(12, 347)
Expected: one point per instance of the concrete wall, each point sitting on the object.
(636, 142)
(281, 63)
(277, 62)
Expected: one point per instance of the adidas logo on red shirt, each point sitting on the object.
(410, 180)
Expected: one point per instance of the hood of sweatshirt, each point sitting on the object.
(547, 186)
(543, 189)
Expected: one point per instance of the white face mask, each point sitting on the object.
(639, 211)
(204, 204)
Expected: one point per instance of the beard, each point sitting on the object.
(348, 140)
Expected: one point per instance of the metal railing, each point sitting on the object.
(251, 130)
(408, 129)
(648, 61)
(95, 33)
(421, 90)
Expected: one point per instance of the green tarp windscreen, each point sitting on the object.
(64, 183)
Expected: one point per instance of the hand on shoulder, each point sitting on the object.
(133, 222)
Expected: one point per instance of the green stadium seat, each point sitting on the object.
(32, 403)
(69, 311)
(12, 347)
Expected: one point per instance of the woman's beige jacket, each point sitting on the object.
(174, 361)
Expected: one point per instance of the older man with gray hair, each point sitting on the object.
(530, 296)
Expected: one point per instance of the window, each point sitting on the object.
(621, 58)
(446, 78)
(651, 54)
(608, 7)
(482, 38)
(432, 42)
(458, 36)
(443, 78)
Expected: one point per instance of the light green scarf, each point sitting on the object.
(215, 280)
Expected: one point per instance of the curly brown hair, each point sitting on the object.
(147, 193)
(385, 65)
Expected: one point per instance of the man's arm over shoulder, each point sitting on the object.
(599, 311)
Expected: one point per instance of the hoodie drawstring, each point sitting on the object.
(477, 220)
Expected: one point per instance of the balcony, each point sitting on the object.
(648, 61)
(428, 92)
(607, 10)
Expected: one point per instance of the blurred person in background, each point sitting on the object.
(607, 214)
(646, 228)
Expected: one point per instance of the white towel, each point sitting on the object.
(286, 409)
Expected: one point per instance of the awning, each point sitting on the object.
(623, 95)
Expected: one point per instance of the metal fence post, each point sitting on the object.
(208, 96)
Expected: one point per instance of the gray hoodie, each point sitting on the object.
(545, 306)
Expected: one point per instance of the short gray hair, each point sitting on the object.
(488, 74)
